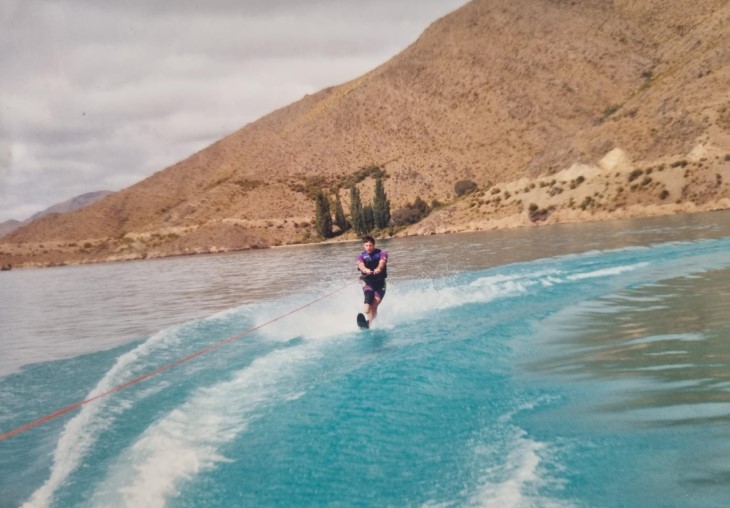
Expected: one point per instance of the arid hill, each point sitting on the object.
(557, 110)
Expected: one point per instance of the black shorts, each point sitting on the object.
(373, 290)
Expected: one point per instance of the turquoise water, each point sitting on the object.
(582, 365)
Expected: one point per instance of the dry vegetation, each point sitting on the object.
(557, 110)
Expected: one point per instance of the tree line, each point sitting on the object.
(366, 218)
(363, 218)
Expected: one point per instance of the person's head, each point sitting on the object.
(369, 243)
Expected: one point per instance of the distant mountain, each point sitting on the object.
(554, 110)
(73, 204)
(67, 206)
(8, 226)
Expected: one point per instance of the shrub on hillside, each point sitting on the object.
(362, 174)
(635, 174)
(410, 213)
(405, 216)
(464, 187)
(537, 214)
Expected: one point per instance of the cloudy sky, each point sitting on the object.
(97, 95)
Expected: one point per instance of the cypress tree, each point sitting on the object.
(356, 211)
(323, 218)
(381, 206)
(368, 219)
(340, 219)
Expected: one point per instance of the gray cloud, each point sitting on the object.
(99, 95)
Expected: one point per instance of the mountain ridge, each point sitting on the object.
(69, 205)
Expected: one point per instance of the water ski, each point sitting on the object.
(362, 322)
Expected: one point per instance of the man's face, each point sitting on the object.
(369, 247)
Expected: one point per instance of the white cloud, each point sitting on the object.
(100, 95)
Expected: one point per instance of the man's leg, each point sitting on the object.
(369, 302)
(373, 310)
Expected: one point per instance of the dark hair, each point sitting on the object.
(368, 238)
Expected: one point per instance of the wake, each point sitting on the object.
(191, 438)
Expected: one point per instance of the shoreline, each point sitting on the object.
(614, 188)
(436, 224)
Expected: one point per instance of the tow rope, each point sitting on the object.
(122, 386)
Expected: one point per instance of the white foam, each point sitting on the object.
(83, 430)
(330, 317)
(516, 471)
(607, 272)
(515, 481)
(409, 303)
(510, 491)
(404, 302)
(189, 439)
(681, 412)
(684, 337)
(658, 368)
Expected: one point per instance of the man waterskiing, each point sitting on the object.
(372, 264)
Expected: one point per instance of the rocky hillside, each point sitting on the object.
(556, 109)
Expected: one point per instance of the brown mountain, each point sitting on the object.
(557, 110)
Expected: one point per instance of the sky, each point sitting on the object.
(98, 95)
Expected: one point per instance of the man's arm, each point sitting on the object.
(381, 264)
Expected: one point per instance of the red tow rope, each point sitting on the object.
(68, 409)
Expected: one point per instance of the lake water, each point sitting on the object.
(570, 365)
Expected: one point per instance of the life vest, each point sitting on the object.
(371, 262)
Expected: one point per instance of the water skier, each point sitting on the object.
(372, 264)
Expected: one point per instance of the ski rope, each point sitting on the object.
(127, 384)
